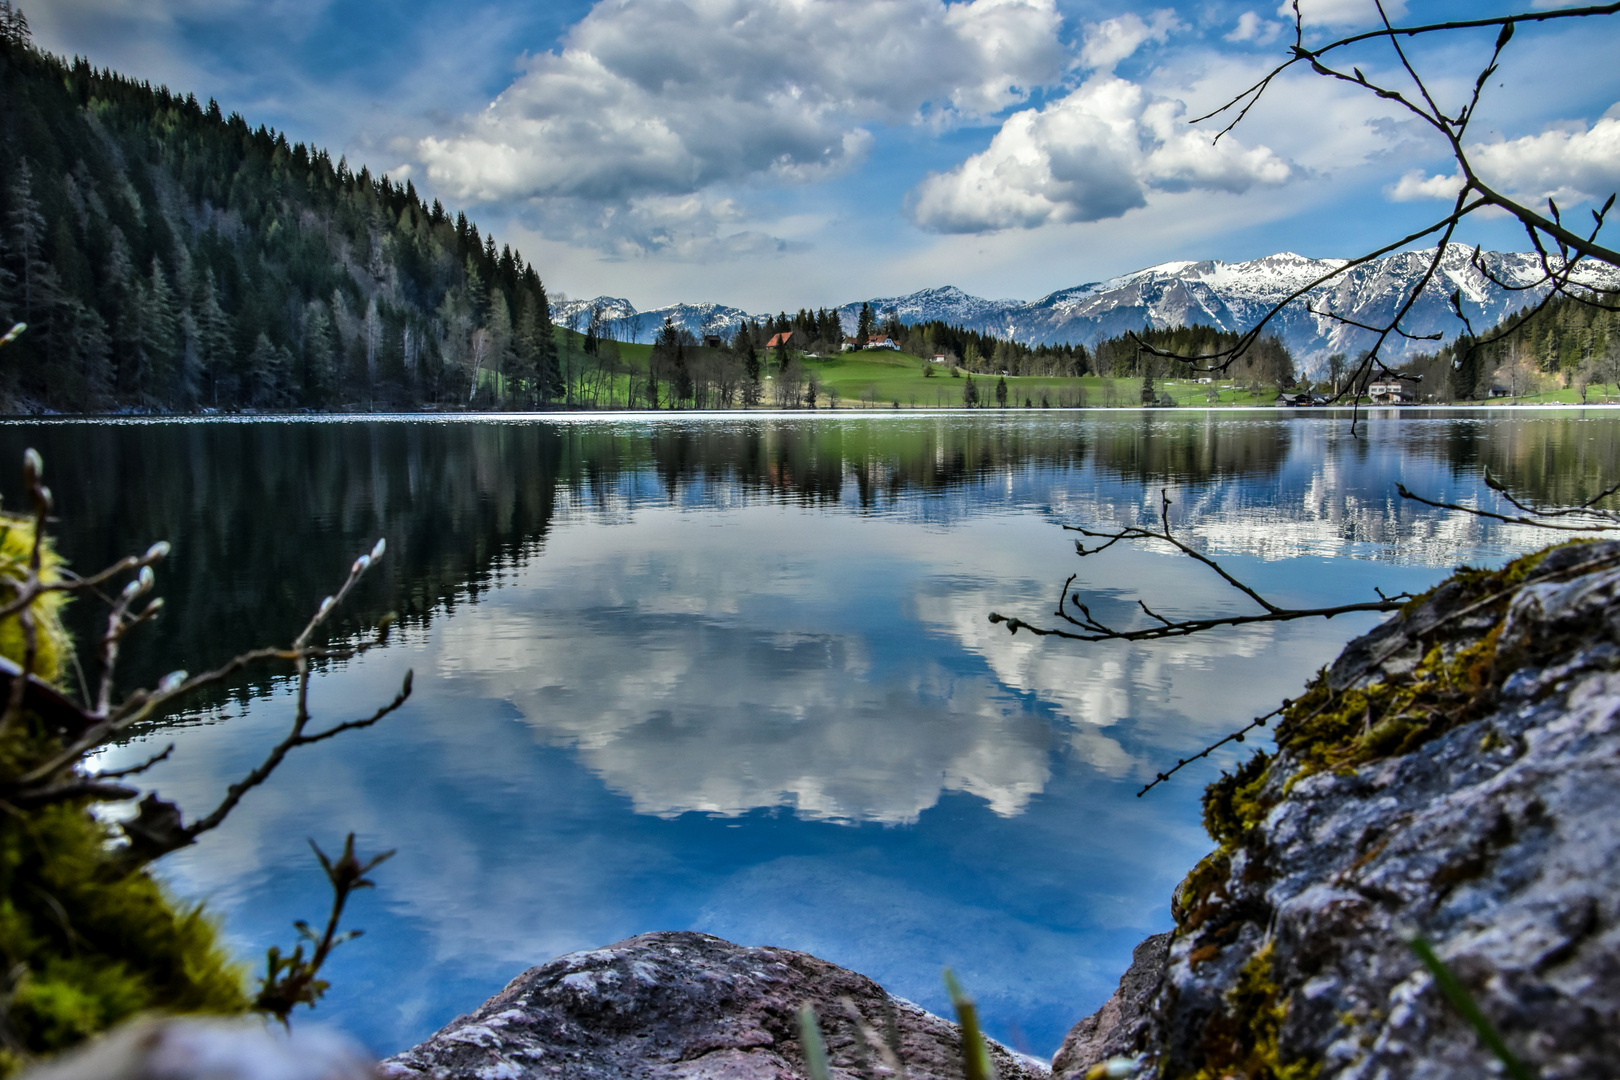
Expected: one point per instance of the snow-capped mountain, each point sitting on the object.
(1231, 296)
(628, 324)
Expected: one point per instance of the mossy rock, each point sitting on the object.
(87, 937)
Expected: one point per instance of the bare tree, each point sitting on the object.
(1562, 251)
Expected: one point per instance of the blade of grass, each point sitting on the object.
(815, 1048)
(1463, 1002)
(976, 1063)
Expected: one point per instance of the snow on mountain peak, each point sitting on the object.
(1230, 296)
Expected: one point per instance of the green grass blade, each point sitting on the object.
(1463, 1002)
(815, 1048)
(976, 1063)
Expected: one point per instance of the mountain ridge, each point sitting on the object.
(1230, 296)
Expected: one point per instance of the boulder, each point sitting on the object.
(200, 1048)
(1452, 778)
(686, 1005)
(1118, 1028)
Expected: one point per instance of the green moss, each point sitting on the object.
(1232, 804)
(1243, 1039)
(86, 938)
(1201, 891)
(52, 643)
(1324, 730)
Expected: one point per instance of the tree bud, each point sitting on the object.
(171, 682)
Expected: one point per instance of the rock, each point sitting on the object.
(1117, 1029)
(1472, 804)
(192, 1048)
(687, 1005)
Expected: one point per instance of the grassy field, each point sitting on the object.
(883, 380)
(886, 380)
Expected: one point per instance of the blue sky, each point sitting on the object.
(781, 153)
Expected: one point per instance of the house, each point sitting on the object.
(781, 341)
(883, 342)
(1392, 391)
(938, 358)
(713, 341)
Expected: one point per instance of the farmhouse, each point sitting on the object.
(1392, 391)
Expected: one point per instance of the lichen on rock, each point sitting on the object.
(1451, 777)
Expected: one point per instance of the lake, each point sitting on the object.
(735, 674)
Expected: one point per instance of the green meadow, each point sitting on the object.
(887, 380)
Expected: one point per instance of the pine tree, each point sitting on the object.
(160, 337)
(216, 355)
(863, 326)
(265, 374)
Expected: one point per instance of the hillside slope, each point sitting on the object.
(167, 257)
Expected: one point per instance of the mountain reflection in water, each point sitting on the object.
(734, 674)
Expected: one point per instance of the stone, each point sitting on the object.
(195, 1048)
(1497, 842)
(689, 1006)
(1119, 1027)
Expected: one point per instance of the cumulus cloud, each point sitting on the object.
(1112, 40)
(1340, 12)
(652, 99)
(1565, 164)
(1094, 154)
(1251, 27)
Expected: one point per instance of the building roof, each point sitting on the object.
(780, 339)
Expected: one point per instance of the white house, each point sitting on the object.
(1392, 391)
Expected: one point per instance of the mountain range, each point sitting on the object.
(1230, 296)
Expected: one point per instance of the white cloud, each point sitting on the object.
(1416, 185)
(1340, 12)
(646, 98)
(1092, 155)
(1560, 163)
(1112, 40)
(1251, 27)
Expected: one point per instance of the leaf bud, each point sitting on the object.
(326, 605)
(146, 579)
(378, 549)
(33, 466)
(132, 590)
(157, 552)
(360, 565)
(171, 682)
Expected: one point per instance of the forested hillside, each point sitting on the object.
(1568, 343)
(168, 257)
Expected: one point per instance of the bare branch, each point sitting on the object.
(1237, 736)
(1072, 610)
(1510, 519)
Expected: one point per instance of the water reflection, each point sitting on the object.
(736, 675)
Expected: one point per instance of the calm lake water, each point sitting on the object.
(734, 674)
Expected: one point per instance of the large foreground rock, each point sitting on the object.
(1455, 777)
(684, 1005)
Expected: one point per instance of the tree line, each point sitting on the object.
(168, 257)
(1565, 343)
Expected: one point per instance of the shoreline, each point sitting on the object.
(574, 416)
